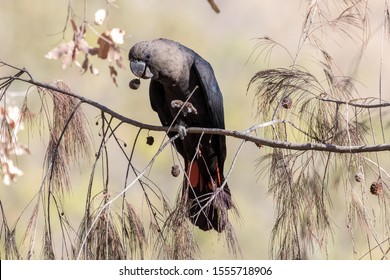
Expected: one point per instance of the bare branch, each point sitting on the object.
(355, 103)
(322, 147)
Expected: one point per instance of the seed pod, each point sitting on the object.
(150, 140)
(175, 171)
(286, 102)
(359, 177)
(135, 83)
(376, 188)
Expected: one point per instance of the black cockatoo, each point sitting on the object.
(184, 92)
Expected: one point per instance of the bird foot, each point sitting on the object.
(182, 130)
(186, 107)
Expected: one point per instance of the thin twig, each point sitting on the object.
(354, 103)
(123, 191)
(214, 6)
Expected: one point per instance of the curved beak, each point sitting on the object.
(140, 69)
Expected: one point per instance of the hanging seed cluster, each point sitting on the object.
(175, 171)
(134, 84)
(376, 188)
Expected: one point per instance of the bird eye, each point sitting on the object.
(148, 56)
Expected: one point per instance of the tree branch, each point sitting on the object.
(314, 146)
(354, 103)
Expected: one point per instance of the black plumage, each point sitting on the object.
(181, 78)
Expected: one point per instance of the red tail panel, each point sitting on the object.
(193, 173)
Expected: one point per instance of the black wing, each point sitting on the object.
(213, 95)
(214, 101)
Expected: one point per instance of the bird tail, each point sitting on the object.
(208, 199)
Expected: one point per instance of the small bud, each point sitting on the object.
(150, 140)
(175, 170)
(359, 177)
(135, 83)
(286, 102)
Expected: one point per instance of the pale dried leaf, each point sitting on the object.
(117, 36)
(65, 51)
(82, 45)
(60, 50)
(114, 56)
(100, 16)
(19, 150)
(10, 171)
(14, 119)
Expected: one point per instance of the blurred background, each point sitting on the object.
(30, 29)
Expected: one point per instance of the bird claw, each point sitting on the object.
(177, 103)
(182, 131)
(187, 107)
